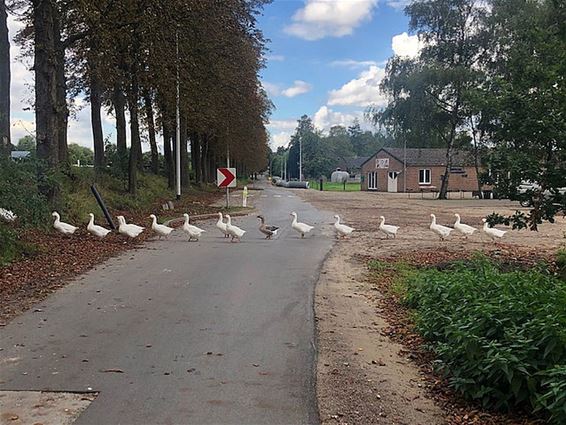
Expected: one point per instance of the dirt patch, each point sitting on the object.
(371, 368)
(38, 407)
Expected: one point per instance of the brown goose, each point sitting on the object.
(266, 229)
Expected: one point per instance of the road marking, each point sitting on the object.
(277, 196)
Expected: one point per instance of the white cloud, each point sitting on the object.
(271, 89)
(406, 45)
(279, 139)
(275, 58)
(353, 64)
(361, 91)
(21, 128)
(290, 124)
(398, 4)
(298, 87)
(330, 18)
(325, 118)
(22, 81)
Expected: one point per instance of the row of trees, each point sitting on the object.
(491, 74)
(139, 56)
(322, 152)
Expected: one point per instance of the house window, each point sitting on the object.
(382, 163)
(424, 176)
(372, 180)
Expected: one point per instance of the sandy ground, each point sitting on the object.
(363, 377)
(47, 408)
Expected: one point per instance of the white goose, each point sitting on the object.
(341, 229)
(492, 232)
(222, 226)
(160, 229)
(130, 230)
(388, 229)
(232, 230)
(194, 232)
(440, 230)
(302, 228)
(463, 228)
(96, 230)
(65, 228)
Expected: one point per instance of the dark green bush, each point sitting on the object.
(561, 263)
(500, 336)
(18, 193)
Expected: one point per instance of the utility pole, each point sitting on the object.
(227, 166)
(178, 124)
(404, 164)
(300, 158)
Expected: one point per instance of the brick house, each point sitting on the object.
(383, 171)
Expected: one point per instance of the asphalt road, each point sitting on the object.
(185, 333)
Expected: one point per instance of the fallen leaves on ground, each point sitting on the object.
(59, 258)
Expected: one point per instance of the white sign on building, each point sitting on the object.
(382, 163)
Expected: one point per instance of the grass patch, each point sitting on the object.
(335, 187)
(499, 336)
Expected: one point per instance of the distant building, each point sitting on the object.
(19, 155)
(383, 171)
(353, 165)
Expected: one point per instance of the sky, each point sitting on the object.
(326, 59)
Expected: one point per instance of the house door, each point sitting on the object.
(372, 180)
(392, 181)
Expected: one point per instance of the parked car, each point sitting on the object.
(526, 187)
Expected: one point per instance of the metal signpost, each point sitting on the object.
(226, 177)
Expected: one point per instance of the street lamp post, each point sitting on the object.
(301, 159)
(178, 125)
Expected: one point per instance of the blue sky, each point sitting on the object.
(326, 60)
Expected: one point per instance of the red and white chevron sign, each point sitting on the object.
(226, 177)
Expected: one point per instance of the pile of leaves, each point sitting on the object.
(499, 336)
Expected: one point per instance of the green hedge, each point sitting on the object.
(500, 337)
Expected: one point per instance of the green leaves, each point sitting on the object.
(500, 336)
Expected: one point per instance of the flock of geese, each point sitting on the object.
(229, 230)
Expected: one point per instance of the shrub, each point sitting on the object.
(500, 336)
(18, 193)
(561, 263)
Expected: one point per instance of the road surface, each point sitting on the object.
(185, 333)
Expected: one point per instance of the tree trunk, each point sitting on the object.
(119, 103)
(184, 154)
(44, 12)
(196, 156)
(148, 103)
(168, 155)
(477, 159)
(205, 159)
(61, 93)
(5, 145)
(135, 149)
(96, 120)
